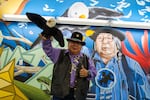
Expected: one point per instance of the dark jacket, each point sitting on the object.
(61, 78)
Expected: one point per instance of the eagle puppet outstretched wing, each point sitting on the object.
(48, 27)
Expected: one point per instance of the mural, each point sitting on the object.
(8, 89)
(32, 68)
(140, 54)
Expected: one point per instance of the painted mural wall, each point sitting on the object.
(24, 65)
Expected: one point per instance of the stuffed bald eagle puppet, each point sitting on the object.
(48, 28)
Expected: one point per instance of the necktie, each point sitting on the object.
(75, 62)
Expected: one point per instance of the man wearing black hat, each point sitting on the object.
(127, 81)
(72, 69)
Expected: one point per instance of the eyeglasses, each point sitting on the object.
(107, 38)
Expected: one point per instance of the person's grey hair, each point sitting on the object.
(118, 43)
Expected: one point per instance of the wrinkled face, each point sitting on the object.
(105, 45)
(74, 47)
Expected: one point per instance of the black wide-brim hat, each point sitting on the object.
(112, 31)
(77, 37)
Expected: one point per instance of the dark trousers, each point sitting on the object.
(70, 96)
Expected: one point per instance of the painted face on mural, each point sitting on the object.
(105, 44)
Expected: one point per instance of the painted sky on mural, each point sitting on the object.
(133, 10)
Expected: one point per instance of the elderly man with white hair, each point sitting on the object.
(118, 76)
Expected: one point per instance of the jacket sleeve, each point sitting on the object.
(92, 69)
(141, 81)
(52, 53)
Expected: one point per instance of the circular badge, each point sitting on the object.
(105, 78)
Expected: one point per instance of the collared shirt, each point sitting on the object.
(53, 54)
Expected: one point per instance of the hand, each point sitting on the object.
(42, 37)
(83, 72)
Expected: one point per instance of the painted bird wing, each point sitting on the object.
(100, 13)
